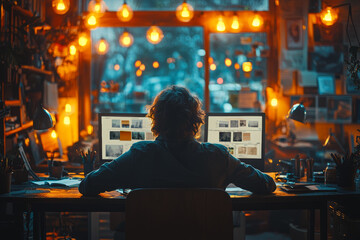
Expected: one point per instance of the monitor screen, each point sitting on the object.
(118, 131)
(242, 133)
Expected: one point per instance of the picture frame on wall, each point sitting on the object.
(294, 33)
(326, 84)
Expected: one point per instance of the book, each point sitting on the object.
(66, 182)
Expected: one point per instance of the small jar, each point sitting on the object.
(330, 173)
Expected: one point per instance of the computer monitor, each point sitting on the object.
(242, 133)
(118, 131)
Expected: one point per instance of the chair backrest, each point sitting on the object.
(178, 214)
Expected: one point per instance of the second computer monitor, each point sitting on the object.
(242, 133)
(119, 131)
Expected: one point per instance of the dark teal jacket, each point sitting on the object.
(167, 163)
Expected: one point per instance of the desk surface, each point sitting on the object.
(69, 199)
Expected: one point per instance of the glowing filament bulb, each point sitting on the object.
(154, 35)
(156, 64)
(102, 46)
(72, 49)
(329, 16)
(220, 26)
(83, 40)
(228, 62)
(212, 67)
(124, 13)
(235, 25)
(67, 120)
(257, 21)
(184, 12)
(91, 21)
(53, 134)
(61, 6)
(67, 108)
(247, 66)
(137, 63)
(138, 73)
(274, 102)
(142, 67)
(126, 39)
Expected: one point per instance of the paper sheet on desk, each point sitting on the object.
(61, 183)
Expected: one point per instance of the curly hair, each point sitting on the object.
(175, 113)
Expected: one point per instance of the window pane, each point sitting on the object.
(118, 84)
(199, 5)
(232, 88)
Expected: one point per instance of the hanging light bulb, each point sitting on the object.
(274, 102)
(68, 108)
(184, 12)
(98, 7)
(154, 35)
(124, 13)
(53, 134)
(91, 21)
(102, 46)
(257, 21)
(61, 6)
(328, 16)
(247, 66)
(83, 41)
(235, 25)
(220, 26)
(72, 49)
(228, 62)
(126, 39)
(67, 120)
(156, 64)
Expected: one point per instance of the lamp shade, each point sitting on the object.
(42, 119)
(297, 113)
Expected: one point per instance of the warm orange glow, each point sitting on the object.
(220, 26)
(247, 66)
(138, 73)
(126, 39)
(142, 67)
(90, 129)
(220, 80)
(61, 6)
(67, 120)
(184, 12)
(257, 21)
(97, 7)
(329, 16)
(211, 60)
(274, 102)
(156, 64)
(116, 67)
(212, 67)
(27, 142)
(67, 108)
(102, 46)
(235, 25)
(199, 64)
(91, 21)
(137, 63)
(228, 62)
(53, 134)
(83, 39)
(154, 35)
(72, 49)
(124, 13)
(277, 2)
(237, 66)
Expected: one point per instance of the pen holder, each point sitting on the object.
(88, 167)
(345, 176)
(56, 171)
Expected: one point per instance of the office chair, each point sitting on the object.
(178, 214)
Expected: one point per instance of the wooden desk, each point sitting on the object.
(41, 200)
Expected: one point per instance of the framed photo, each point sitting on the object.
(339, 109)
(326, 84)
(294, 33)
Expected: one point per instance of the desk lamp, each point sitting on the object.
(297, 112)
(332, 136)
(42, 119)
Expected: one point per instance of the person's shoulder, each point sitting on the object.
(213, 147)
(143, 145)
